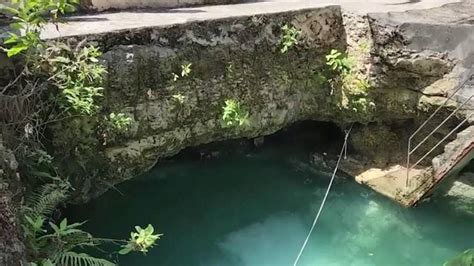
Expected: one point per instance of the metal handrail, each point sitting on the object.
(410, 151)
(441, 141)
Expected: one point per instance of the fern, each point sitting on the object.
(43, 202)
(79, 259)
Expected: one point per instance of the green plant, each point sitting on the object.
(185, 71)
(289, 37)
(179, 98)
(319, 78)
(361, 104)
(175, 77)
(234, 114)
(355, 84)
(76, 73)
(229, 69)
(113, 126)
(141, 240)
(56, 244)
(72, 77)
(43, 201)
(339, 62)
(38, 162)
(51, 244)
(29, 17)
(77, 259)
(119, 122)
(362, 85)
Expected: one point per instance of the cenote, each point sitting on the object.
(233, 204)
(219, 127)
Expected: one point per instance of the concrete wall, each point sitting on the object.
(101, 5)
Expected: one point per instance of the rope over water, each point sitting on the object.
(343, 152)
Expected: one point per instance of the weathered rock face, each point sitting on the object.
(240, 59)
(231, 59)
(12, 249)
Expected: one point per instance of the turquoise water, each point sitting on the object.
(254, 208)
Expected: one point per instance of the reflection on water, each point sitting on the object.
(255, 209)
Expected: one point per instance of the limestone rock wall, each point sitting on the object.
(12, 249)
(236, 58)
(239, 59)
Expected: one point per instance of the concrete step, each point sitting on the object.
(392, 182)
(462, 142)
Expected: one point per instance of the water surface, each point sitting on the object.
(254, 208)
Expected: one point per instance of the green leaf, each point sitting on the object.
(8, 9)
(17, 26)
(11, 40)
(16, 50)
(125, 251)
(55, 228)
(80, 259)
(63, 224)
(149, 229)
(47, 262)
(42, 174)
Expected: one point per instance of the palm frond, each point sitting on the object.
(79, 239)
(80, 259)
(43, 202)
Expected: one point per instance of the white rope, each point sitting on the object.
(343, 152)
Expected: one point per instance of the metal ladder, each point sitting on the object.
(411, 150)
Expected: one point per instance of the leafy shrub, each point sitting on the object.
(234, 114)
(76, 73)
(141, 240)
(289, 37)
(113, 126)
(57, 244)
(355, 84)
(185, 71)
(339, 62)
(73, 77)
(119, 122)
(30, 16)
(354, 87)
(179, 98)
(361, 104)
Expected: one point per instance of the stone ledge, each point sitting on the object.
(115, 21)
(102, 5)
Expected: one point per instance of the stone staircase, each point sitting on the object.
(392, 183)
(456, 154)
(409, 186)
